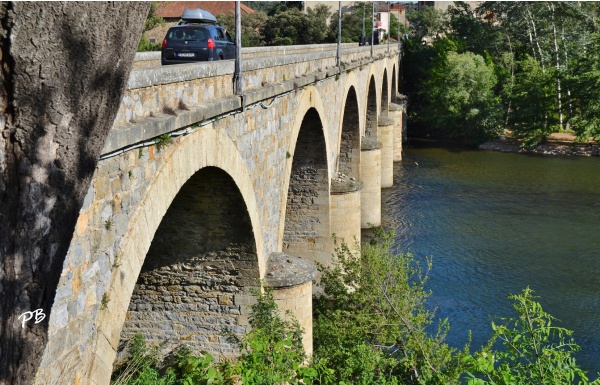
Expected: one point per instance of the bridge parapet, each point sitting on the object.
(152, 59)
(163, 99)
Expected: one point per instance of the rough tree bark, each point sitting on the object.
(64, 68)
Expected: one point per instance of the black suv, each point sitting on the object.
(196, 40)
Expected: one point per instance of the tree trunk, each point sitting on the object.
(64, 68)
(557, 56)
(531, 21)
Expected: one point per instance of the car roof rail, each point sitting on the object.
(184, 22)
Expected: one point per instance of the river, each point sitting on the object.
(494, 223)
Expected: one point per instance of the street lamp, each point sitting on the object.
(363, 20)
(372, 27)
(389, 28)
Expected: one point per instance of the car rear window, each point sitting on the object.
(181, 34)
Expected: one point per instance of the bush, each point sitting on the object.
(534, 351)
(371, 321)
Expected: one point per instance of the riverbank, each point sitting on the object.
(555, 144)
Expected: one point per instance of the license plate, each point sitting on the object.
(186, 54)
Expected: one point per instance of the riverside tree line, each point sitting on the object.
(532, 68)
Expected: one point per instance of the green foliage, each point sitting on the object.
(252, 26)
(285, 28)
(145, 45)
(428, 23)
(292, 27)
(534, 350)
(189, 369)
(151, 21)
(585, 86)
(371, 322)
(140, 367)
(352, 22)
(461, 99)
(545, 56)
(533, 116)
(272, 351)
(163, 141)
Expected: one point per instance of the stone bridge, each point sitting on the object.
(201, 192)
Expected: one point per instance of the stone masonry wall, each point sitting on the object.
(350, 145)
(307, 210)
(201, 257)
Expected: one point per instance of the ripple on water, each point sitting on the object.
(495, 223)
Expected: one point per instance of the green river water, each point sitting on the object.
(494, 223)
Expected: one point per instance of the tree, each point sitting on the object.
(252, 25)
(371, 324)
(585, 84)
(152, 20)
(461, 99)
(64, 68)
(533, 116)
(428, 24)
(316, 24)
(285, 28)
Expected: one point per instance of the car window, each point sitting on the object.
(229, 38)
(221, 35)
(201, 34)
(190, 34)
(176, 34)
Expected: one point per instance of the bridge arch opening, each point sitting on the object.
(371, 112)
(349, 157)
(194, 285)
(385, 101)
(394, 85)
(306, 230)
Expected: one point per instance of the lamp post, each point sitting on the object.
(363, 20)
(238, 50)
(398, 27)
(339, 39)
(372, 27)
(389, 28)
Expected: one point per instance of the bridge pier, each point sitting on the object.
(396, 113)
(291, 279)
(370, 172)
(346, 211)
(386, 137)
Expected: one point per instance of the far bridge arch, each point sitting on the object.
(371, 109)
(385, 101)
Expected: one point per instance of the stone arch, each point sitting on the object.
(349, 139)
(310, 98)
(394, 84)
(199, 270)
(371, 109)
(218, 151)
(385, 101)
(306, 229)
